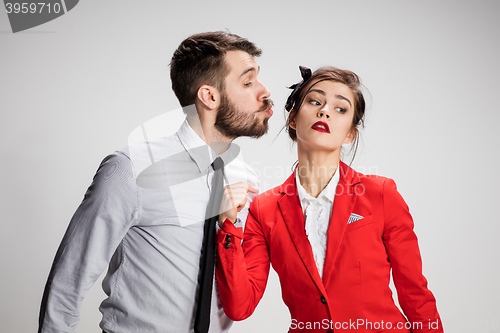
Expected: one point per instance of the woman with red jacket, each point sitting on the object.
(332, 234)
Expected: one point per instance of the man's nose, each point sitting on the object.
(265, 93)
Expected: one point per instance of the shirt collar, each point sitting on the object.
(199, 151)
(328, 192)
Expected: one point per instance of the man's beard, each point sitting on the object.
(232, 122)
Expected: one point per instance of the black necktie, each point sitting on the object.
(207, 261)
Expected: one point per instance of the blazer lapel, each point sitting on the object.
(291, 210)
(343, 205)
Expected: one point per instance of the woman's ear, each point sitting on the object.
(291, 121)
(352, 134)
(209, 96)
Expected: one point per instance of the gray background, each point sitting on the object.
(72, 90)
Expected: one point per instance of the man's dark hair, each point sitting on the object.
(200, 59)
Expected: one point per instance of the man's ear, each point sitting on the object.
(209, 96)
(352, 134)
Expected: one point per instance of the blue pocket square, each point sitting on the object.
(354, 218)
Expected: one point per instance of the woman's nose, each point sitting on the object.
(324, 112)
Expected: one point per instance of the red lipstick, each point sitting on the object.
(321, 127)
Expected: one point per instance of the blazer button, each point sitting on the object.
(227, 245)
(323, 299)
(228, 238)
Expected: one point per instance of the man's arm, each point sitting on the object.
(108, 210)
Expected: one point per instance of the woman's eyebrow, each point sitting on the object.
(319, 91)
(344, 98)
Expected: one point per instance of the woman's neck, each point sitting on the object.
(316, 168)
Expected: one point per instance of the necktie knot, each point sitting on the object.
(218, 163)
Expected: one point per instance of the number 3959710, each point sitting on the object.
(32, 7)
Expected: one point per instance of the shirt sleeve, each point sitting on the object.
(107, 211)
(242, 270)
(252, 179)
(416, 300)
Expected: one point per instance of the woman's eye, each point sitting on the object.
(248, 84)
(341, 110)
(315, 102)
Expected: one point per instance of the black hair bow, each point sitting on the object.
(306, 75)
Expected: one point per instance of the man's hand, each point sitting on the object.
(233, 201)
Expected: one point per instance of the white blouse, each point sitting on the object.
(317, 214)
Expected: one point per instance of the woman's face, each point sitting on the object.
(324, 119)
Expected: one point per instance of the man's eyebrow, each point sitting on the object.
(250, 69)
(319, 91)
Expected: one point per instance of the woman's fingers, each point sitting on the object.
(233, 200)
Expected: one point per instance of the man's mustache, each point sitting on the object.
(267, 104)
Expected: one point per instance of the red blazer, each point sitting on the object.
(354, 294)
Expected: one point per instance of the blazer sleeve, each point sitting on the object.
(416, 300)
(243, 267)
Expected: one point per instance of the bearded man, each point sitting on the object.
(145, 214)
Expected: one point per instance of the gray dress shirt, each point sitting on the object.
(143, 217)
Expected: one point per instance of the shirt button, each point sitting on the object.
(227, 245)
(323, 299)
